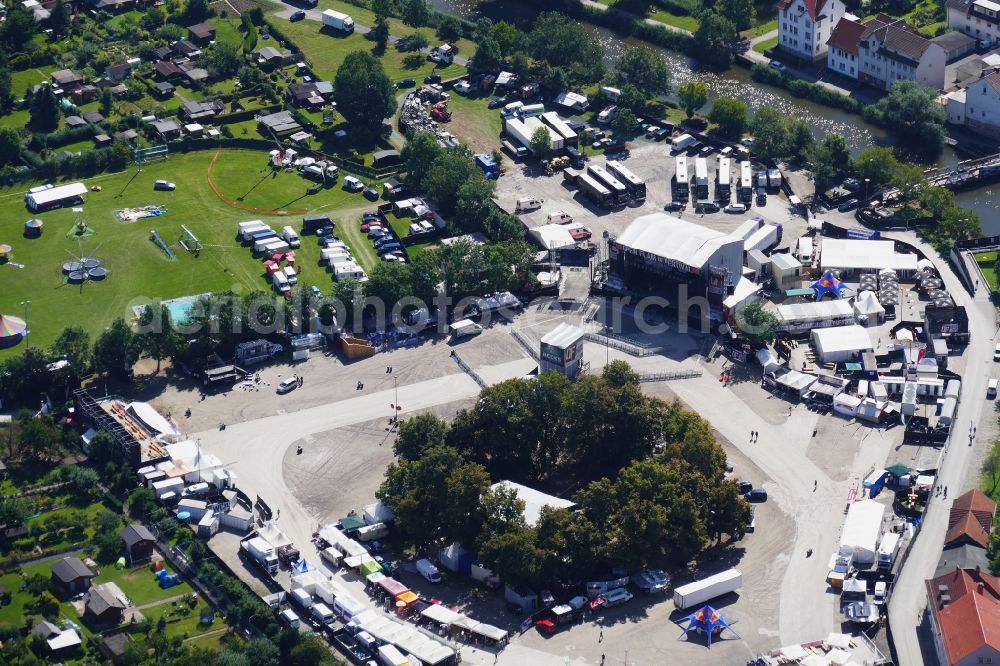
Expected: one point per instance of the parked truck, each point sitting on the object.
(262, 553)
(887, 550)
(291, 237)
(372, 532)
(698, 592)
(338, 21)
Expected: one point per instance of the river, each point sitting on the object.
(736, 83)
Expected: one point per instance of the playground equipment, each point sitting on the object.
(151, 154)
(189, 241)
(155, 237)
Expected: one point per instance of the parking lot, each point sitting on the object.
(653, 163)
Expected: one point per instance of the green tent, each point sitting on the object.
(898, 470)
(370, 567)
(350, 523)
(120, 564)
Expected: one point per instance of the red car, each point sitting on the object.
(580, 233)
(546, 626)
(374, 224)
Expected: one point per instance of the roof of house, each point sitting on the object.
(69, 569)
(101, 138)
(127, 135)
(185, 46)
(993, 81)
(163, 86)
(167, 68)
(115, 643)
(75, 121)
(269, 52)
(846, 35)
(64, 76)
(120, 68)
(953, 40)
(45, 629)
(93, 117)
(101, 600)
(164, 126)
(966, 556)
(966, 603)
(813, 7)
(967, 529)
(163, 52)
(301, 90)
(974, 500)
(897, 37)
(135, 533)
(202, 30)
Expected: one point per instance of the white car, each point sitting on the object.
(996, 353)
(164, 185)
(880, 589)
(287, 384)
(736, 208)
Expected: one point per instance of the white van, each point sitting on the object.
(352, 184)
(607, 115)
(290, 618)
(681, 142)
(427, 569)
(558, 217)
(991, 389)
(528, 203)
(280, 281)
(512, 108)
(290, 274)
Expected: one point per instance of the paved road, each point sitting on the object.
(909, 600)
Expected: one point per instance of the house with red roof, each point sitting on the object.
(964, 608)
(804, 26)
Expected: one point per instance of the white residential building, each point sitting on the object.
(804, 26)
(976, 18)
(884, 50)
(977, 107)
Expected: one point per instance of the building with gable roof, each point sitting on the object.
(804, 26)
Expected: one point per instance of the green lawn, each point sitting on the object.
(227, 30)
(764, 28)
(474, 123)
(766, 45)
(14, 612)
(683, 22)
(139, 270)
(17, 119)
(19, 81)
(140, 585)
(326, 51)
(396, 27)
(986, 261)
(348, 229)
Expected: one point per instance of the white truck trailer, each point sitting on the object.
(262, 553)
(338, 21)
(698, 592)
(464, 327)
(887, 550)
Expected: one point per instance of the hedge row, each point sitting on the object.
(811, 91)
(627, 25)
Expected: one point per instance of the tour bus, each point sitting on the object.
(635, 185)
(681, 178)
(722, 183)
(596, 191)
(617, 189)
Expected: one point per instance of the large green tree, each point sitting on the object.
(10, 146)
(912, 111)
(770, 135)
(643, 68)
(222, 60)
(713, 37)
(418, 155)
(877, 164)
(487, 57)
(157, 337)
(43, 110)
(415, 12)
(742, 13)
(830, 160)
(908, 179)
(561, 42)
(730, 115)
(73, 344)
(757, 324)
(693, 95)
(116, 350)
(363, 93)
(446, 176)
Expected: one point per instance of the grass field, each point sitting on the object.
(766, 45)
(140, 271)
(326, 50)
(474, 123)
(986, 260)
(396, 26)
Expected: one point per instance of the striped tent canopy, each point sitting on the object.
(12, 329)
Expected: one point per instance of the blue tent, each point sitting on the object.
(828, 284)
(708, 621)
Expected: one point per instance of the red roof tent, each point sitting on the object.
(966, 607)
(392, 586)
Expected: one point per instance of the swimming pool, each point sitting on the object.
(179, 308)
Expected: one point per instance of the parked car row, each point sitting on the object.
(383, 238)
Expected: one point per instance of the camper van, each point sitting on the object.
(322, 613)
(526, 204)
(887, 550)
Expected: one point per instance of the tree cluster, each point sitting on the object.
(558, 51)
(458, 187)
(913, 113)
(364, 94)
(777, 136)
(651, 478)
